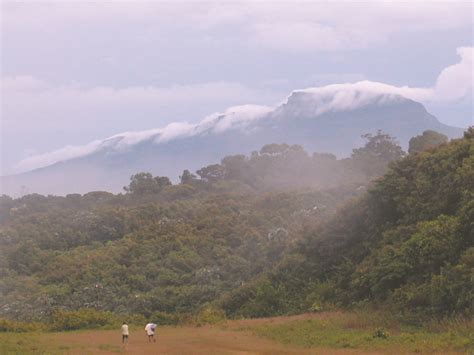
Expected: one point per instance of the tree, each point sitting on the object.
(145, 183)
(162, 181)
(235, 166)
(274, 149)
(212, 173)
(469, 134)
(379, 150)
(427, 140)
(187, 177)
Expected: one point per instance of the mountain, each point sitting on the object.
(327, 119)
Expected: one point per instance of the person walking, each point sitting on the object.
(124, 333)
(150, 331)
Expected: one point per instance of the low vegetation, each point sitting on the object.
(366, 332)
(324, 332)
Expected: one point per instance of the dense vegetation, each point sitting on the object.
(408, 244)
(255, 235)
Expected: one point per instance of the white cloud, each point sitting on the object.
(63, 154)
(303, 26)
(25, 83)
(39, 114)
(456, 81)
(176, 130)
(63, 106)
(238, 117)
(349, 96)
(233, 118)
(453, 83)
(311, 36)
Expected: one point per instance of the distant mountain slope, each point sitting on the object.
(329, 119)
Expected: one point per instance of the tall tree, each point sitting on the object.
(427, 140)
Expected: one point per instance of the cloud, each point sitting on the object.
(237, 117)
(303, 26)
(343, 26)
(34, 110)
(25, 83)
(309, 36)
(233, 118)
(349, 96)
(63, 154)
(456, 81)
(42, 96)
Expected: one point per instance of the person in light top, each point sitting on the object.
(124, 332)
(150, 331)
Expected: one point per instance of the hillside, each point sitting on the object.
(172, 248)
(406, 246)
(277, 232)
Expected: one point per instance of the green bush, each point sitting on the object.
(316, 307)
(210, 315)
(380, 333)
(84, 318)
(7, 325)
(164, 318)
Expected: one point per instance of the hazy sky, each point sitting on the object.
(73, 72)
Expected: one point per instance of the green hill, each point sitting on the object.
(278, 232)
(406, 245)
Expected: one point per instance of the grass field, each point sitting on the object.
(324, 333)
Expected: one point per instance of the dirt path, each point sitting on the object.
(170, 340)
(179, 340)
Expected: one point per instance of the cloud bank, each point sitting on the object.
(297, 26)
(34, 109)
(456, 81)
(236, 117)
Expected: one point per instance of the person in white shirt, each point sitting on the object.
(150, 331)
(124, 332)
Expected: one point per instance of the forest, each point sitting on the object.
(280, 231)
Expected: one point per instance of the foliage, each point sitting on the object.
(369, 333)
(408, 244)
(162, 249)
(253, 236)
(145, 183)
(427, 140)
(380, 333)
(164, 318)
(210, 315)
(8, 325)
(84, 318)
(379, 151)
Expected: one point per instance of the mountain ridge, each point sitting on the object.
(328, 119)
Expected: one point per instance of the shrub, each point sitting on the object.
(164, 318)
(210, 315)
(84, 318)
(380, 333)
(7, 325)
(316, 307)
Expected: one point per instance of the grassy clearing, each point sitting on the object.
(24, 343)
(50, 343)
(371, 332)
(326, 332)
